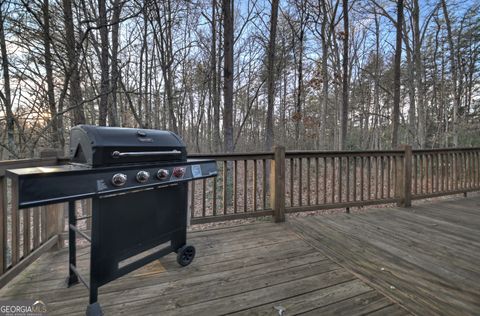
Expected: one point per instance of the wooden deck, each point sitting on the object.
(427, 257)
(422, 260)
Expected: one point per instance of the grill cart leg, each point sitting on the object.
(94, 309)
(72, 247)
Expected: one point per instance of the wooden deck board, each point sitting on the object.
(426, 258)
(247, 269)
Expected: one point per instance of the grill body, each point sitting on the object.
(136, 219)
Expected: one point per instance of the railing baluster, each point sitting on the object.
(15, 222)
(439, 172)
(369, 178)
(340, 176)
(264, 183)
(26, 231)
(457, 170)
(333, 180)
(348, 179)
(421, 174)
(465, 155)
(447, 171)
(477, 169)
(467, 167)
(465, 176)
(36, 227)
(415, 174)
(255, 170)
(204, 197)
(43, 218)
(460, 171)
(471, 168)
(324, 180)
(389, 170)
(427, 164)
(450, 172)
(214, 199)
(435, 172)
(354, 178)
(308, 181)
(292, 171)
(395, 175)
(376, 177)
(362, 176)
(316, 180)
(225, 185)
(382, 174)
(245, 192)
(3, 224)
(300, 162)
(235, 189)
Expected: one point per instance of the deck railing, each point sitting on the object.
(446, 171)
(27, 233)
(239, 191)
(268, 184)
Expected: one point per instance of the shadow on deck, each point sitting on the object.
(424, 259)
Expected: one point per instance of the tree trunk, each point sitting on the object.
(269, 137)
(397, 74)
(57, 128)
(103, 107)
(228, 74)
(412, 133)
(456, 94)
(299, 99)
(215, 91)
(417, 58)
(75, 97)
(325, 83)
(113, 106)
(7, 95)
(344, 112)
(376, 87)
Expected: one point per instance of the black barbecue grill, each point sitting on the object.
(137, 180)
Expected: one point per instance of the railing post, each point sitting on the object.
(277, 184)
(404, 178)
(3, 223)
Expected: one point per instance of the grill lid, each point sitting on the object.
(100, 146)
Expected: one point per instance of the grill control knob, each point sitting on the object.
(143, 176)
(119, 179)
(178, 172)
(162, 174)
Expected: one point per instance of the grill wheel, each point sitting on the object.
(185, 255)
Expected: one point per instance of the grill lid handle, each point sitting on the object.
(117, 154)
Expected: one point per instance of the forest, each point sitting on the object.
(242, 75)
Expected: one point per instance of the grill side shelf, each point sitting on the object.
(37, 187)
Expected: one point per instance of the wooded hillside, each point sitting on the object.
(243, 75)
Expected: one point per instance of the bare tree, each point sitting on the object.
(454, 70)
(103, 107)
(397, 75)
(115, 73)
(7, 94)
(269, 135)
(73, 75)
(227, 7)
(345, 78)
